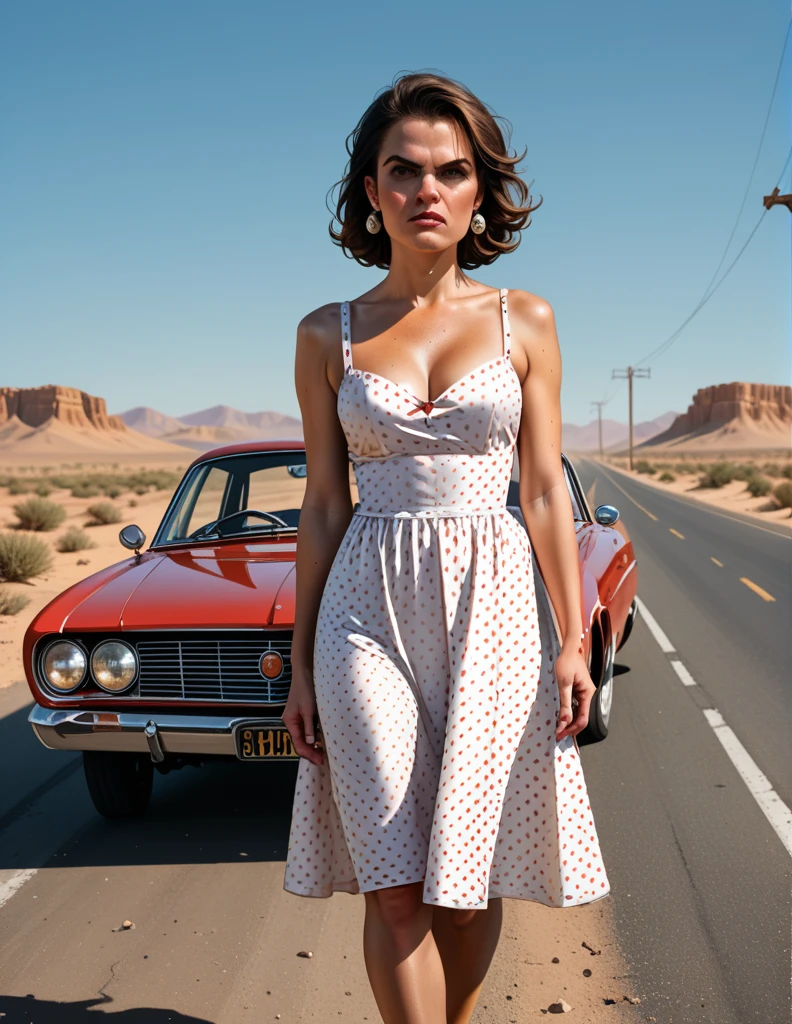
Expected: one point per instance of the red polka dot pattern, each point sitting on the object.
(434, 668)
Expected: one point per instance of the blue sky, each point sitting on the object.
(164, 168)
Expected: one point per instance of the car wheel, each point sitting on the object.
(599, 712)
(119, 782)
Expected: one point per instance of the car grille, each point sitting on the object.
(221, 670)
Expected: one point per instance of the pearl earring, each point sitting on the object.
(373, 223)
(477, 224)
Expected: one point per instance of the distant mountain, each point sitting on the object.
(149, 421)
(614, 434)
(225, 416)
(221, 424)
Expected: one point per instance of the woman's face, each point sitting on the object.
(426, 186)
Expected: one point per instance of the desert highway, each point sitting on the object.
(700, 873)
(690, 793)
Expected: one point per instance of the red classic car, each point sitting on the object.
(181, 653)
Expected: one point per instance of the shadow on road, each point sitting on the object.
(29, 1010)
(219, 813)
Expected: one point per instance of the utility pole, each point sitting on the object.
(599, 406)
(629, 373)
(774, 199)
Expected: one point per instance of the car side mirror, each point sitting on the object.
(606, 515)
(132, 537)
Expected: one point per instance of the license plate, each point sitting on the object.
(263, 743)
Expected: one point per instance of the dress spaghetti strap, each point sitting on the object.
(346, 337)
(506, 325)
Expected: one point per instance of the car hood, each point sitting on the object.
(193, 589)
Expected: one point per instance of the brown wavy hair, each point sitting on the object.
(506, 205)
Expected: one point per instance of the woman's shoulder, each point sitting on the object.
(532, 310)
(322, 323)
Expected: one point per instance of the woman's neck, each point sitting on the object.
(423, 278)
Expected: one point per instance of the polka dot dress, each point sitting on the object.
(434, 668)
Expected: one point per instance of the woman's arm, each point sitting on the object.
(325, 513)
(544, 498)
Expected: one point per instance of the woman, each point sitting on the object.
(447, 774)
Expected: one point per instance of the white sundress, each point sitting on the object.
(433, 667)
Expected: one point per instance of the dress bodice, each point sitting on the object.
(455, 452)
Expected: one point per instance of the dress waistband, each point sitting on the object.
(438, 512)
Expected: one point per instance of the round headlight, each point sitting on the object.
(114, 666)
(64, 666)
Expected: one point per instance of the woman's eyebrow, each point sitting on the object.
(411, 163)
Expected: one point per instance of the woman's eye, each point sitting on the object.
(456, 170)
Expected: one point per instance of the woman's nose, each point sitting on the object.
(428, 189)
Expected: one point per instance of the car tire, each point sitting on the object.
(600, 709)
(119, 782)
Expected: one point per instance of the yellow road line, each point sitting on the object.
(676, 533)
(757, 589)
(715, 560)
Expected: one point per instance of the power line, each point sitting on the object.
(705, 299)
(709, 291)
(756, 158)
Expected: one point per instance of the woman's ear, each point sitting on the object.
(371, 190)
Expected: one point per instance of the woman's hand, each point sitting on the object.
(575, 690)
(301, 717)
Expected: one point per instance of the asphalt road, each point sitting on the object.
(701, 881)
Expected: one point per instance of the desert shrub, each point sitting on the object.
(783, 493)
(74, 539)
(759, 485)
(39, 514)
(717, 474)
(112, 491)
(141, 490)
(12, 604)
(19, 487)
(43, 491)
(644, 466)
(787, 471)
(666, 477)
(23, 556)
(132, 503)
(85, 491)
(102, 513)
(771, 469)
(745, 471)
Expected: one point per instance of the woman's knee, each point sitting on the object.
(464, 919)
(399, 906)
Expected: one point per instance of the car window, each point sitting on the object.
(271, 484)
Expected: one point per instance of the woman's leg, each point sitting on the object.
(402, 960)
(466, 940)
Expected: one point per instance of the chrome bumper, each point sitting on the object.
(157, 734)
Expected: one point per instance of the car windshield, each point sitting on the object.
(237, 496)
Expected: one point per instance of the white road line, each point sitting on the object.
(770, 803)
(682, 672)
(656, 631)
(775, 810)
(10, 881)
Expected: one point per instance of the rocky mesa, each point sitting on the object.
(36, 406)
(737, 414)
